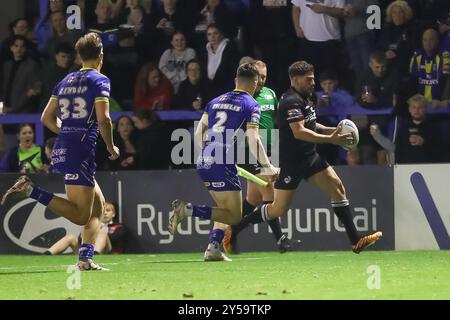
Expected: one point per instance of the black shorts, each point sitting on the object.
(254, 168)
(292, 174)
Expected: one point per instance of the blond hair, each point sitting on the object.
(404, 6)
(418, 98)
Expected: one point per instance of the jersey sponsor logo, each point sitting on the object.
(71, 176)
(268, 107)
(287, 179)
(220, 184)
(28, 226)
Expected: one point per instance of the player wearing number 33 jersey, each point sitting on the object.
(74, 151)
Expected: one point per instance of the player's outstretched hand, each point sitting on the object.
(114, 153)
(342, 139)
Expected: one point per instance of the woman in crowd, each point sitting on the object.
(173, 61)
(27, 157)
(193, 93)
(153, 91)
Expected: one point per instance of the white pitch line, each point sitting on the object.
(124, 262)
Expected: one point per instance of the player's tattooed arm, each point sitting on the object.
(49, 116)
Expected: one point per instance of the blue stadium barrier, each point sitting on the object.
(179, 115)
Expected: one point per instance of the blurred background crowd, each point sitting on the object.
(172, 55)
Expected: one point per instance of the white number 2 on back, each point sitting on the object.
(218, 126)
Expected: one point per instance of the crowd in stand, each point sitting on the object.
(178, 54)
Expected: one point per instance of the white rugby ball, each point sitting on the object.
(349, 126)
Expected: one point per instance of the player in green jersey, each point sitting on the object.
(257, 194)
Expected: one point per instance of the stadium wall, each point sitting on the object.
(422, 207)
(143, 199)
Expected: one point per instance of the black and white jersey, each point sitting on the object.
(294, 107)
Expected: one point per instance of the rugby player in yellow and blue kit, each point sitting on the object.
(82, 101)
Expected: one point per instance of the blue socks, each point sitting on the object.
(202, 212)
(41, 196)
(86, 252)
(216, 236)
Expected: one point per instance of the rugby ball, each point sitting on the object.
(349, 126)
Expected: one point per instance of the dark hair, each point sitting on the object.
(148, 115)
(89, 46)
(23, 125)
(18, 37)
(64, 47)
(13, 24)
(50, 142)
(300, 68)
(121, 117)
(142, 78)
(328, 75)
(379, 56)
(247, 71)
(193, 61)
(215, 26)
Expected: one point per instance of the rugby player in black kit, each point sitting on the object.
(299, 134)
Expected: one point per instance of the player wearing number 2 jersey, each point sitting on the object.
(81, 100)
(223, 116)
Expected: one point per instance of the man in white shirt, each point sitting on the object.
(316, 23)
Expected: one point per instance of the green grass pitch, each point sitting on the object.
(264, 275)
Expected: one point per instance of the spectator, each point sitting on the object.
(122, 66)
(20, 27)
(110, 238)
(135, 15)
(358, 37)
(427, 11)
(53, 72)
(399, 36)
(331, 95)
(48, 166)
(216, 12)
(173, 61)
(193, 93)
(27, 157)
(20, 80)
(162, 23)
(106, 28)
(60, 33)
(426, 68)
(377, 86)
(272, 37)
(416, 139)
(317, 26)
(444, 28)
(331, 99)
(42, 30)
(125, 139)
(153, 91)
(353, 158)
(221, 58)
(152, 149)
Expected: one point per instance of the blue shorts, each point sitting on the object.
(219, 177)
(77, 163)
